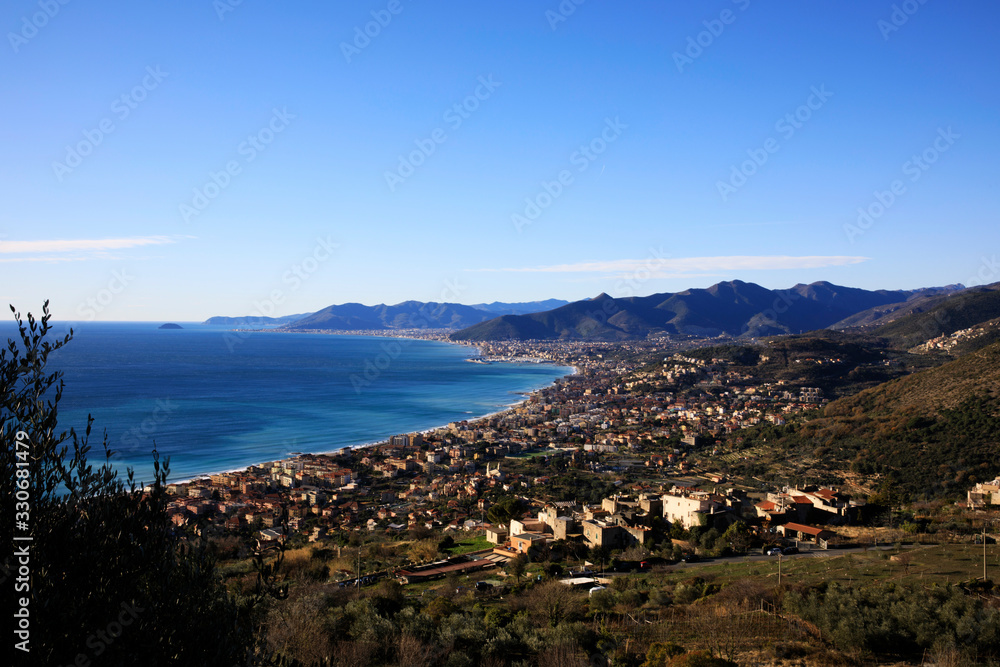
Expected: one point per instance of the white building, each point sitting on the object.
(688, 510)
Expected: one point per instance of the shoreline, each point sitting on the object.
(526, 396)
(369, 444)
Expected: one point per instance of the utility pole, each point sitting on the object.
(779, 570)
(984, 551)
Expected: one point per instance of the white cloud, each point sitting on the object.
(46, 258)
(89, 247)
(663, 267)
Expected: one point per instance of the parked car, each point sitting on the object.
(790, 550)
(625, 566)
(691, 558)
(773, 551)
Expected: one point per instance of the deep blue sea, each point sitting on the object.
(215, 400)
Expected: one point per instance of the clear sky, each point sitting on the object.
(174, 161)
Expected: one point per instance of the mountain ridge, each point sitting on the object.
(733, 308)
(419, 314)
(253, 320)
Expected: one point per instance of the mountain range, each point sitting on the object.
(253, 321)
(928, 316)
(405, 315)
(732, 308)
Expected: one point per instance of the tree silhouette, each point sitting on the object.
(110, 579)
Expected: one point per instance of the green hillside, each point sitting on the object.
(955, 313)
(944, 387)
(930, 434)
(839, 363)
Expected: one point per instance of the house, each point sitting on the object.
(270, 535)
(830, 505)
(984, 494)
(694, 440)
(651, 504)
(525, 541)
(618, 503)
(496, 534)
(559, 520)
(688, 510)
(770, 511)
(805, 533)
(518, 526)
(605, 533)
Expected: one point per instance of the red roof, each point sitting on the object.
(801, 500)
(767, 505)
(808, 530)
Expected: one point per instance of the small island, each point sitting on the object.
(170, 325)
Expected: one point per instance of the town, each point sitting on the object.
(645, 441)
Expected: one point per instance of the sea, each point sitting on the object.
(213, 399)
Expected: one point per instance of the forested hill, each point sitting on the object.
(930, 434)
(930, 391)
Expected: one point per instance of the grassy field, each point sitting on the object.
(944, 564)
(529, 455)
(477, 543)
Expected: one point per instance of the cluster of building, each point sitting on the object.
(622, 521)
(440, 479)
(949, 342)
(984, 494)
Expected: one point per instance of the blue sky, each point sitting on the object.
(174, 161)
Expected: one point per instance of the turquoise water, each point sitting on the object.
(216, 400)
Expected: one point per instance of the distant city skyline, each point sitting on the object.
(173, 163)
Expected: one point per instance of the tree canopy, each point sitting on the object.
(108, 577)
